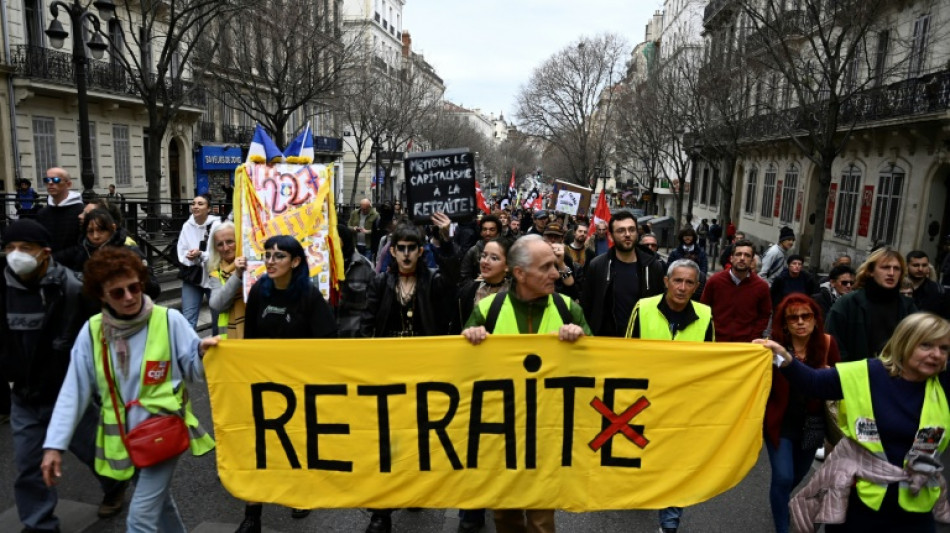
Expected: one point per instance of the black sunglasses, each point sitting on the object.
(54, 179)
(119, 292)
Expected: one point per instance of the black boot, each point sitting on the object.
(380, 522)
(252, 520)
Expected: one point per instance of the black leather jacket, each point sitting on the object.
(433, 296)
(354, 296)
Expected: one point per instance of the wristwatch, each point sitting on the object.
(566, 273)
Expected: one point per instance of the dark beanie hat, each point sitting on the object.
(27, 230)
(785, 234)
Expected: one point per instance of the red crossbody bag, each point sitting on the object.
(155, 440)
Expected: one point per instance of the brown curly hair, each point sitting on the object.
(110, 262)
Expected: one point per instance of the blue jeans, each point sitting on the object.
(670, 517)
(191, 298)
(35, 502)
(790, 464)
(152, 508)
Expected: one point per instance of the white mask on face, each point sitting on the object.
(21, 263)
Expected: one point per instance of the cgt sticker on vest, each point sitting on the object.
(155, 372)
(928, 440)
(866, 430)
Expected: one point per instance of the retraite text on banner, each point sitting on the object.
(520, 421)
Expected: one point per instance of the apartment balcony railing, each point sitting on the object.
(237, 134)
(905, 99)
(206, 131)
(56, 66)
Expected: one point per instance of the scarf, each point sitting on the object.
(485, 288)
(118, 330)
(236, 314)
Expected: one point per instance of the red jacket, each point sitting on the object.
(740, 312)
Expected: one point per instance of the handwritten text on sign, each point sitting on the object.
(441, 181)
(613, 423)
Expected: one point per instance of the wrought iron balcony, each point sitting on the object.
(236, 134)
(56, 66)
(206, 131)
(715, 8)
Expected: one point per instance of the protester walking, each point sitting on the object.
(739, 298)
(226, 271)
(795, 423)
(673, 316)
(284, 304)
(41, 312)
(136, 357)
(62, 207)
(534, 272)
(774, 259)
(193, 255)
(885, 475)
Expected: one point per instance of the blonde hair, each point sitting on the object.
(214, 258)
(910, 333)
(866, 270)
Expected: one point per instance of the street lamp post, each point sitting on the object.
(57, 36)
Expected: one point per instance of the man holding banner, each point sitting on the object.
(673, 316)
(534, 269)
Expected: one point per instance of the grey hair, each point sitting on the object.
(519, 255)
(214, 258)
(682, 263)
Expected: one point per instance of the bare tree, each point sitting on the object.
(294, 58)
(815, 64)
(153, 55)
(652, 124)
(384, 109)
(560, 102)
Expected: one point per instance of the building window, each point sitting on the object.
(880, 56)
(848, 195)
(714, 191)
(789, 195)
(887, 205)
(750, 190)
(44, 145)
(768, 192)
(918, 51)
(120, 149)
(704, 187)
(33, 20)
(94, 151)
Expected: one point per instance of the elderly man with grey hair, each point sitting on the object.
(530, 307)
(673, 316)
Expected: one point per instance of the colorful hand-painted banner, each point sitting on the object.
(518, 422)
(283, 193)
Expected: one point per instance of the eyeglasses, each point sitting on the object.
(846, 283)
(119, 292)
(803, 317)
(406, 248)
(275, 256)
(54, 179)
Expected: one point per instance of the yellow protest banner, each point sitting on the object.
(520, 421)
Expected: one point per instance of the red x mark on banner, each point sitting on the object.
(619, 423)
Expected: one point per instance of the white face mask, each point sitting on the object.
(21, 263)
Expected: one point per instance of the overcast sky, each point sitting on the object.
(485, 50)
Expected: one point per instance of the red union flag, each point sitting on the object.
(602, 214)
(480, 199)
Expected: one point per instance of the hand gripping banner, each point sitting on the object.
(520, 421)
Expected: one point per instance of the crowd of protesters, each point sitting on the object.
(74, 294)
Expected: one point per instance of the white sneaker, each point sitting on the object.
(820, 454)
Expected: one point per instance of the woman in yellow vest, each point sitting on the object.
(894, 413)
(227, 279)
(151, 352)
